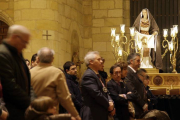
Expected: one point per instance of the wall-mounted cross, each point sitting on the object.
(46, 35)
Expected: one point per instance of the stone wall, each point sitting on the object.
(84, 25)
(59, 17)
(108, 14)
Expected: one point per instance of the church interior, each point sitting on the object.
(73, 27)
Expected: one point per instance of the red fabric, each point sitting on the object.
(1, 94)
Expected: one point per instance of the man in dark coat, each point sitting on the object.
(94, 89)
(135, 85)
(14, 73)
(119, 93)
(151, 99)
(73, 85)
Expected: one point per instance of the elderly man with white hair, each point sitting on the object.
(94, 89)
(14, 73)
(48, 80)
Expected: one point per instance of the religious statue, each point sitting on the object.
(77, 62)
(147, 27)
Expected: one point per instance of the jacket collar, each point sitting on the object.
(70, 77)
(132, 69)
(44, 64)
(11, 48)
(147, 87)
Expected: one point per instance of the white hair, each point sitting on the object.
(17, 29)
(90, 56)
(45, 55)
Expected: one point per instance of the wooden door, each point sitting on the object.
(3, 30)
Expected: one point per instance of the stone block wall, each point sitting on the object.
(107, 14)
(59, 17)
(85, 24)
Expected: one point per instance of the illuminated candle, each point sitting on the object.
(122, 28)
(120, 52)
(175, 28)
(165, 32)
(171, 46)
(113, 30)
(131, 31)
(117, 38)
(172, 32)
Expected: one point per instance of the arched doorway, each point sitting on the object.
(3, 30)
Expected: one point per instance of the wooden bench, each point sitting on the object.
(159, 91)
(175, 92)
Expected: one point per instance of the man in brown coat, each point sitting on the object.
(48, 80)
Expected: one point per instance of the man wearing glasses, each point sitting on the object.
(14, 73)
(119, 93)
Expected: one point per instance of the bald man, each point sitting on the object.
(14, 73)
(48, 80)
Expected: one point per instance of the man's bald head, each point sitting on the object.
(46, 55)
(18, 37)
(17, 30)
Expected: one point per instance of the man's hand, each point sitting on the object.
(123, 96)
(113, 112)
(111, 106)
(155, 33)
(129, 93)
(145, 107)
(77, 118)
(4, 115)
(73, 118)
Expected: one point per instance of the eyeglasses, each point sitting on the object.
(25, 42)
(143, 76)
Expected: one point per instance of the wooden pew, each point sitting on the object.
(159, 91)
(175, 92)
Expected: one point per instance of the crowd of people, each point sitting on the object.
(37, 90)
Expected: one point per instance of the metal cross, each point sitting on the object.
(46, 35)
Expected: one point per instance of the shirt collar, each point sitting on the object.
(132, 69)
(94, 71)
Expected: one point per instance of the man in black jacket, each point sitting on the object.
(73, 85)
(151, 99)
(14, 73)
(135, 85)
(119, 93)
(94, 89)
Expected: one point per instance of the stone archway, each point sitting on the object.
(6, 18)
(5, 22)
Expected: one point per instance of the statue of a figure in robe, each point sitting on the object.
(146, 24)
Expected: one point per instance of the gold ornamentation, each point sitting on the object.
(158, 80)
(172, 46)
